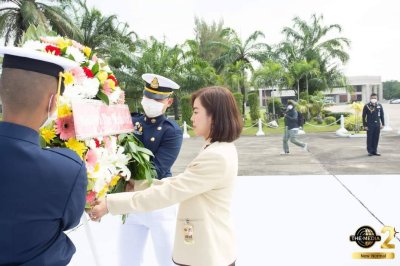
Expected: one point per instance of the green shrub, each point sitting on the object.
(326, 113)
(239, 101)
(278, 106)
(353, 123)
(254, 106)
(329, 120)
(186, 108)
(318, 121)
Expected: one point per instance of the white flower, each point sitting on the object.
(35, 45)
(73, 92)
(78, 55)
(114, 96)
(106, 68)
(91, 87)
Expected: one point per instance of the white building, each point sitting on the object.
(363, 86)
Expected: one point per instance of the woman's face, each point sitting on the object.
(200, 120)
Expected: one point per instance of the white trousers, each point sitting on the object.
(133, 236)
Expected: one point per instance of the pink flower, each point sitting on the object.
(65, 127)
(107, 88)
(94, 58)
(91, 159)
(77, 45)
(107, 144)
(78, 73)
(90, 196)
(46, 40)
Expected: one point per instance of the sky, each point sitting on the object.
(373, 27)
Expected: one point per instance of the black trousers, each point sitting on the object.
(373, 138)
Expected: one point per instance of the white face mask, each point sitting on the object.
(152, 108)
(290, 107)
(374, 100)
(50, 117)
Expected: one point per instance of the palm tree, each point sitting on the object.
(310, 42)
(302, 69)
(17, 15)
(242, 51)
(98, 31)
(271, 74)
(206, 34)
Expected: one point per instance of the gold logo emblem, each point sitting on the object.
(154, 83)
(365, 237)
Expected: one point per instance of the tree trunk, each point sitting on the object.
(298, 90)
(307, 84)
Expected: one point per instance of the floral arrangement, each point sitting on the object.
(110, 160)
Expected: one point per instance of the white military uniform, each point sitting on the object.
(164, 138)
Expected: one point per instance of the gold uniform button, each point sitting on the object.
(152, 139)
(159, 128)
(153, 120)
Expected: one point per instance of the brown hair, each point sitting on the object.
(220, 104)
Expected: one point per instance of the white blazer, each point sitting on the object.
(204, 191)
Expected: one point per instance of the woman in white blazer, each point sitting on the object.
(204, 230)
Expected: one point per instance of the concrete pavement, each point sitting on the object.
(329, 154)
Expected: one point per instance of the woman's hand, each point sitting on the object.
(99, 209)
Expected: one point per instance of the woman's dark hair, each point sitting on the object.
(220, 104)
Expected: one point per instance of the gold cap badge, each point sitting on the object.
(154, 83)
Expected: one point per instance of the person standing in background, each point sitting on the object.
(373, 121)
(291, 129)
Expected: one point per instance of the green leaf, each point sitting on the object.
(95, 68)
(103, 97)
(42, 142)
(133, 147)
(145, 151)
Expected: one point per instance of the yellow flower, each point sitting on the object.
(64, 110)
(357, 106)
(87, 51)
(111, 83)
(68, 78)
(114, 180)
(48, 134)
(96, 168)
(76, 146)
(102, 192)
(63, 43)
(102, 76)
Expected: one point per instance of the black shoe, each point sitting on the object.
(377, 154)
(370, 154)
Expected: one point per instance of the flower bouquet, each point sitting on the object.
(111, 160)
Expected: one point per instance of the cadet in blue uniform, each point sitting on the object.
(373, 120)
(42, 191)
(164, 138)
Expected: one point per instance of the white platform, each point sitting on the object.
(286, 220)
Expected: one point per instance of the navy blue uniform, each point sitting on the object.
(372, 118)
(42, 194)
(163, 137)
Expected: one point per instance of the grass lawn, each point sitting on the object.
(308, 128)
(251, 131)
